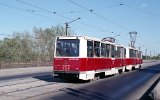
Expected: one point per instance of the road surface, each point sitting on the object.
(129, 85)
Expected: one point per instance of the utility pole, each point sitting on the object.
(133, 36)
(146, 54)
(67, 25)
(150, 54)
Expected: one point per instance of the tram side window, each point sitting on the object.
(118, 52)
(89, 48)
(123, 52)
(130, 53)
(112, 51)
(103, 50)
(97, 49)
(108, 50)
(136, 53)
(139, 54)
(59, 51)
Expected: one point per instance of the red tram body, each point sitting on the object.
(85, 58)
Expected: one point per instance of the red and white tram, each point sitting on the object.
(85, 58)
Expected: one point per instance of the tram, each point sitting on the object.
(85, 58)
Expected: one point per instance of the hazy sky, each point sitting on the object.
(99, 18)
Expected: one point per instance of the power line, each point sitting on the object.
(45, 10)
(94, 27)
(38, 7)
(53, 12)
(78, 11)
(33, 6)
(106, 7)
(21, 9)
(80, 5)
(6, 5)
(98, 15)
(90, 10)
(144, 11)
(112, 22)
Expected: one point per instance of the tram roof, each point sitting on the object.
(85, 37)
(94, 39)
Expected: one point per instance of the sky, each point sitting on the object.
(98, 18)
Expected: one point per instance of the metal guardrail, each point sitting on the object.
(149, 94)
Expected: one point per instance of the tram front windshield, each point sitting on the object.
(67, 48)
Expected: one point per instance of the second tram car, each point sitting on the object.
(86, 58)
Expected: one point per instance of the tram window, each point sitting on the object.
(59, 49)
(108, 50)
(136, 53)
(67, 47)
(123, 52)
(131, 53)
(103, 50)
(112, 51)
(118, 52)
(97, 49)
(89, 48)
(139, 54)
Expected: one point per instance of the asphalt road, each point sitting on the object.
(8, 74)
(127, 86)
(4, 78)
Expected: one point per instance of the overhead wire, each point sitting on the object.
(106, 7)
(21, 9)
(77, 11)
(60, 15)
(6, 5)
(53, 12)
(143, 11)
(140, 10)
(100, 16)
(80, 11)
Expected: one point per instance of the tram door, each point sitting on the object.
(123, 55)
(90, 55)
(94, 62)
(97, 60)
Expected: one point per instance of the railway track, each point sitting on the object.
(19, 89)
